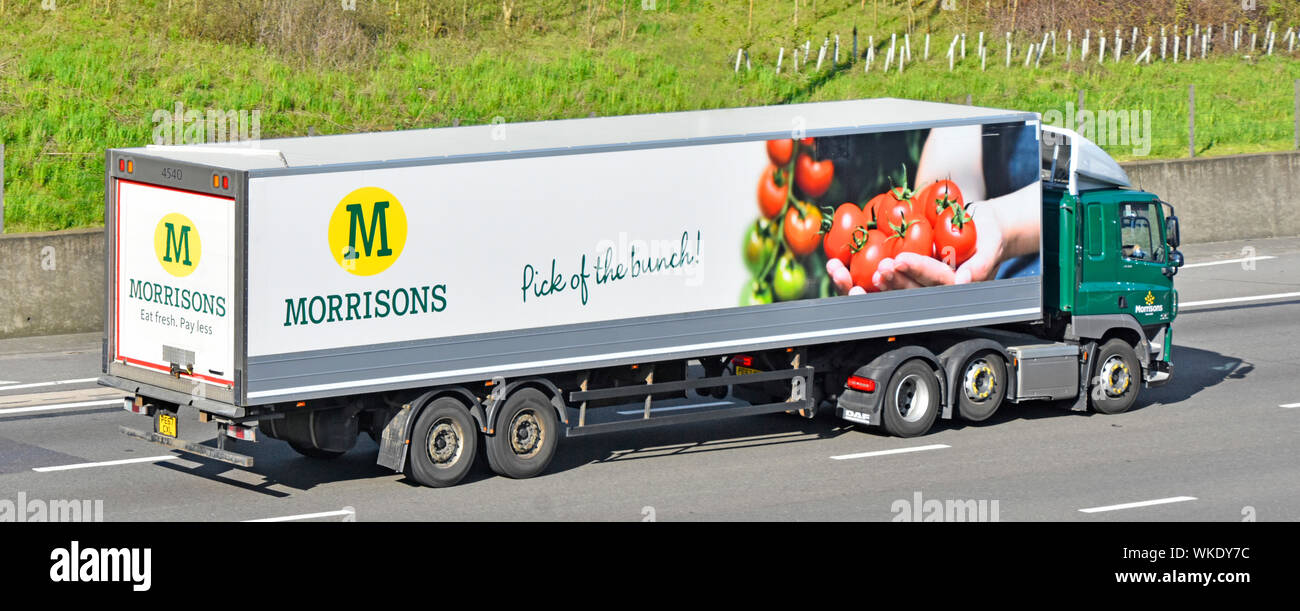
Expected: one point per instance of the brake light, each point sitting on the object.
(861, 384)
(743, 361)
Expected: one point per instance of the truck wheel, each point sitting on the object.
(911, 400)
(1115, 382)
(983, 386)
(443, 444)
(316, 453)
(527, 432)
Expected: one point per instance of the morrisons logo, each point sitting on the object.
(176, 244)
(367, 231)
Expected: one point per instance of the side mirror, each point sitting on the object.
(1175, 262)
(1171, 232)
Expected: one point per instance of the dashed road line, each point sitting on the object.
(108, 463)
(1165, 501)
(937, 446)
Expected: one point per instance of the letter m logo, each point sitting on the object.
(175, 243)
(357, 226)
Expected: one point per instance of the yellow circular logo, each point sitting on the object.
(367, 231)
(177, 245)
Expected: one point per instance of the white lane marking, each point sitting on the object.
(937, 446)
(39, 384)
(1192, 304)
(346, 511)
(1290, 405)
(1172, 499)
(8, 381)
(42, 408)
(771, 339)
(109, 463)
(672, 408)
(1227, 261)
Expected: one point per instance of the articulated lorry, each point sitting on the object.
(499, 289)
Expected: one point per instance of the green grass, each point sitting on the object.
(89, 76)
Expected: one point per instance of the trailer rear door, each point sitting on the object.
(173, 297)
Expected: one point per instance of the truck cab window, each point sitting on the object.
(1138, 237)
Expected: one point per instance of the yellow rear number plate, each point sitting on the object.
(740, 371)
(167, 425)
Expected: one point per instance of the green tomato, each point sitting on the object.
(789, 279)
(755, 293)
(758, 246)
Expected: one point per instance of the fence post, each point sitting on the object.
(1296, 116)
(1082, 92)
(2, 178)
(1191, 120)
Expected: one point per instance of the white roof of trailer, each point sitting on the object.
(290, 155)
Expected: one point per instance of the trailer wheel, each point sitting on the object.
(1117, 378)
(911, 400)
(983, 386)
(316, 453)
(527, 433)
(443, 444)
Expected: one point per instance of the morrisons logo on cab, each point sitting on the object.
(367, 233)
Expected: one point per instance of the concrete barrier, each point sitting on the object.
(1227, 198)
(53, 282)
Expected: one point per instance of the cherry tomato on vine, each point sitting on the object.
(882, 204)
(772, 196)
(755, 293)
(914, 236)
(865, 260)
(954, 238)
(759, 245)
(838, 243)
(803, 234)
(789, 280)
(936, 197)
(813, 177)
(779, 151)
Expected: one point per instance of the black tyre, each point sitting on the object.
(527, 433)
(982, 386)
(443, 444)
(1116, 379)
(911, 401)
(316, 453)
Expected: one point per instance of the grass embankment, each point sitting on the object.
(90, 75)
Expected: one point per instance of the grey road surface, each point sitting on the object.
(1219, 443)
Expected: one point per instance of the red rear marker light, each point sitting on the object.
(121, 165)
(861, 384)
(743, 361)
(225, 182)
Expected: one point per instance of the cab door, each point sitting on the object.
(1124, 257)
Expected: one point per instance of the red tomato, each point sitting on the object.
(771, 196)
(863, 264)
(779, 151)
(803, 234)
(881, 206)
(915, 236)
(937, 196)
(838, 243)
(813, 177)
(954, 238)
